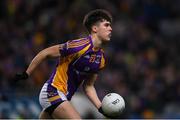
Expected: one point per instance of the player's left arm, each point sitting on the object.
(90, 90)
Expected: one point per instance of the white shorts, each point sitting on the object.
(49, 96)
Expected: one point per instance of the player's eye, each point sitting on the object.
(107, 24)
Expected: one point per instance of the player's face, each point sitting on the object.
(104, 30)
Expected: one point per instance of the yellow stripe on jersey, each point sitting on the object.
(53, 98)
(77, 41)
(81, 52)
(60, 78)
(102, 62)
(77, 44)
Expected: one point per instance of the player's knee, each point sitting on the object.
(66, 111)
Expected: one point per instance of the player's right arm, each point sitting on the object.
(61, 50)
(50, 52)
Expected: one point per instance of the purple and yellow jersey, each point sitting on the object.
(78, 59)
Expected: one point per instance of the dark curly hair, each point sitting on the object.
(95, 16)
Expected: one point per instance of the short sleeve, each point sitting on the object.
(64, 49)
(73, 47)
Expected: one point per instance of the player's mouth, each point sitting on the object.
(110, 35)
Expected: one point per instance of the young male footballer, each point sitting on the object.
(79, 61)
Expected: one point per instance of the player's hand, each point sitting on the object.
(21, 76)
(102, 112)
(108, 116)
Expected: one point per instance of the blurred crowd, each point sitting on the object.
(143, 62)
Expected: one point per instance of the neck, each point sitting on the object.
(97, 43)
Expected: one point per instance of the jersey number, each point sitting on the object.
(92, 58)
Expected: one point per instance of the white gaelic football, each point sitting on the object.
(113, 104)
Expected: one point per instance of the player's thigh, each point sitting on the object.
(65, 110)
(44, 115)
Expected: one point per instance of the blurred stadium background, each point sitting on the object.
(143, 57)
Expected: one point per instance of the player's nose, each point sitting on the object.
(110, 28)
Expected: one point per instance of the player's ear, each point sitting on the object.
(94, 28)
